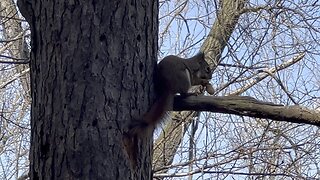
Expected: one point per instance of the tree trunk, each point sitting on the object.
(91, 73)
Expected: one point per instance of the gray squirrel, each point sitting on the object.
(175, 75)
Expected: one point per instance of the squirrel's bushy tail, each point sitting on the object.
(150, 119)
(145, 125)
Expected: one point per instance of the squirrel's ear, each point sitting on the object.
(200, 56)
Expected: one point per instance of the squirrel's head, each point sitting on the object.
(204, 71)
(201, 70)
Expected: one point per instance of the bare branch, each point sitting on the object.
(271, 70)
(15, 77)
(248, 106)
(18, 60)
(196, 171)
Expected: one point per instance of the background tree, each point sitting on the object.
(14, 94)
(264, 49)
(266, 39)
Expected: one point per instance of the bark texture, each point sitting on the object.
(91, 73)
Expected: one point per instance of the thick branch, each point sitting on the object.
(248, 106)
(223, 27)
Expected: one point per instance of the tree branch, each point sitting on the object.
(272, 70)
(13, 78)
(248, 106)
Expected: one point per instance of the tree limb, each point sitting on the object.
(248, 106)
(272, 70)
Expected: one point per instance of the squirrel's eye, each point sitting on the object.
(208, 69)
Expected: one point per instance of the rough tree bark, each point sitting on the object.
(91, 73)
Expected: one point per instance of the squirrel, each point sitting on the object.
(174, 75)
